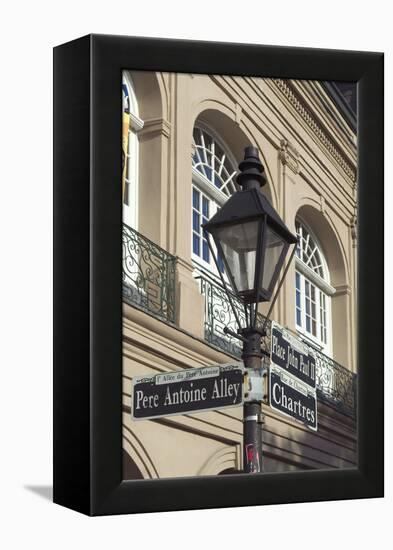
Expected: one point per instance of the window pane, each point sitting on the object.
(208, 172)
(322, 310)
(208, 140)
(205, 251)
(205, 207)
(126, 198)
(217, 181)
(195, 199)
(200, 169)
(298, 317)
(195, 244)
(195, 221)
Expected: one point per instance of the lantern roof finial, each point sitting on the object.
(252, 172)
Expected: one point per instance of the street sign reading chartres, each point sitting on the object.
(292, 378)
(186, 391)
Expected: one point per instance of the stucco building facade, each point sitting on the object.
(183, 137)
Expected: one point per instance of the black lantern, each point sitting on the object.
(251, 238)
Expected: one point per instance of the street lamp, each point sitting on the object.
(251, 242)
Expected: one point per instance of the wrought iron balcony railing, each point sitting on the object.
(148, 275)
(219, 314)
(336, 385)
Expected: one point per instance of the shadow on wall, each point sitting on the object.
(130, 469)
(334, 445)
(287, 446)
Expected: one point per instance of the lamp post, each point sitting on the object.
(251, 243)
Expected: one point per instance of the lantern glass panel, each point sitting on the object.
(274, 245)
(239, 246)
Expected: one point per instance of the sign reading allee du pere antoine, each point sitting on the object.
(191, 390)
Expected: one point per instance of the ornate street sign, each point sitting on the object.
(187, 391)
(292, 378)
(292, 355)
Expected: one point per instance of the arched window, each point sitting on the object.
(131, 125)
(213, 181)
(313, 290)
(211, 161)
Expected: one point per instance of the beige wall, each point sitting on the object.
(309, 155)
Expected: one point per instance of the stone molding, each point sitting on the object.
(136, 123)
(319, 132)
(156, 126)
(289, 156)
(343, 290)
(354, 230)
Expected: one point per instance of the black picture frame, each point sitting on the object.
(87, 275)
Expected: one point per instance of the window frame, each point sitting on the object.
(306, 275)
(217, 192)
(216, 199)
(130, 214)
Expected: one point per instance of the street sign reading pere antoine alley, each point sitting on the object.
(292, 378)
(191, 390)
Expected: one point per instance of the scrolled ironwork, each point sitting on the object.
(336, 385)
(219, 315)
(148, 275)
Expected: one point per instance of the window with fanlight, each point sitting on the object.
(213, 182)
(131, 126)
(313, 290)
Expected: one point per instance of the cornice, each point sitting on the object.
(267, 118)
(286, 89)
(257, 116)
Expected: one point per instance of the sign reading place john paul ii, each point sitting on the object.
(292, 378)
(191, 390)
(292, 355)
